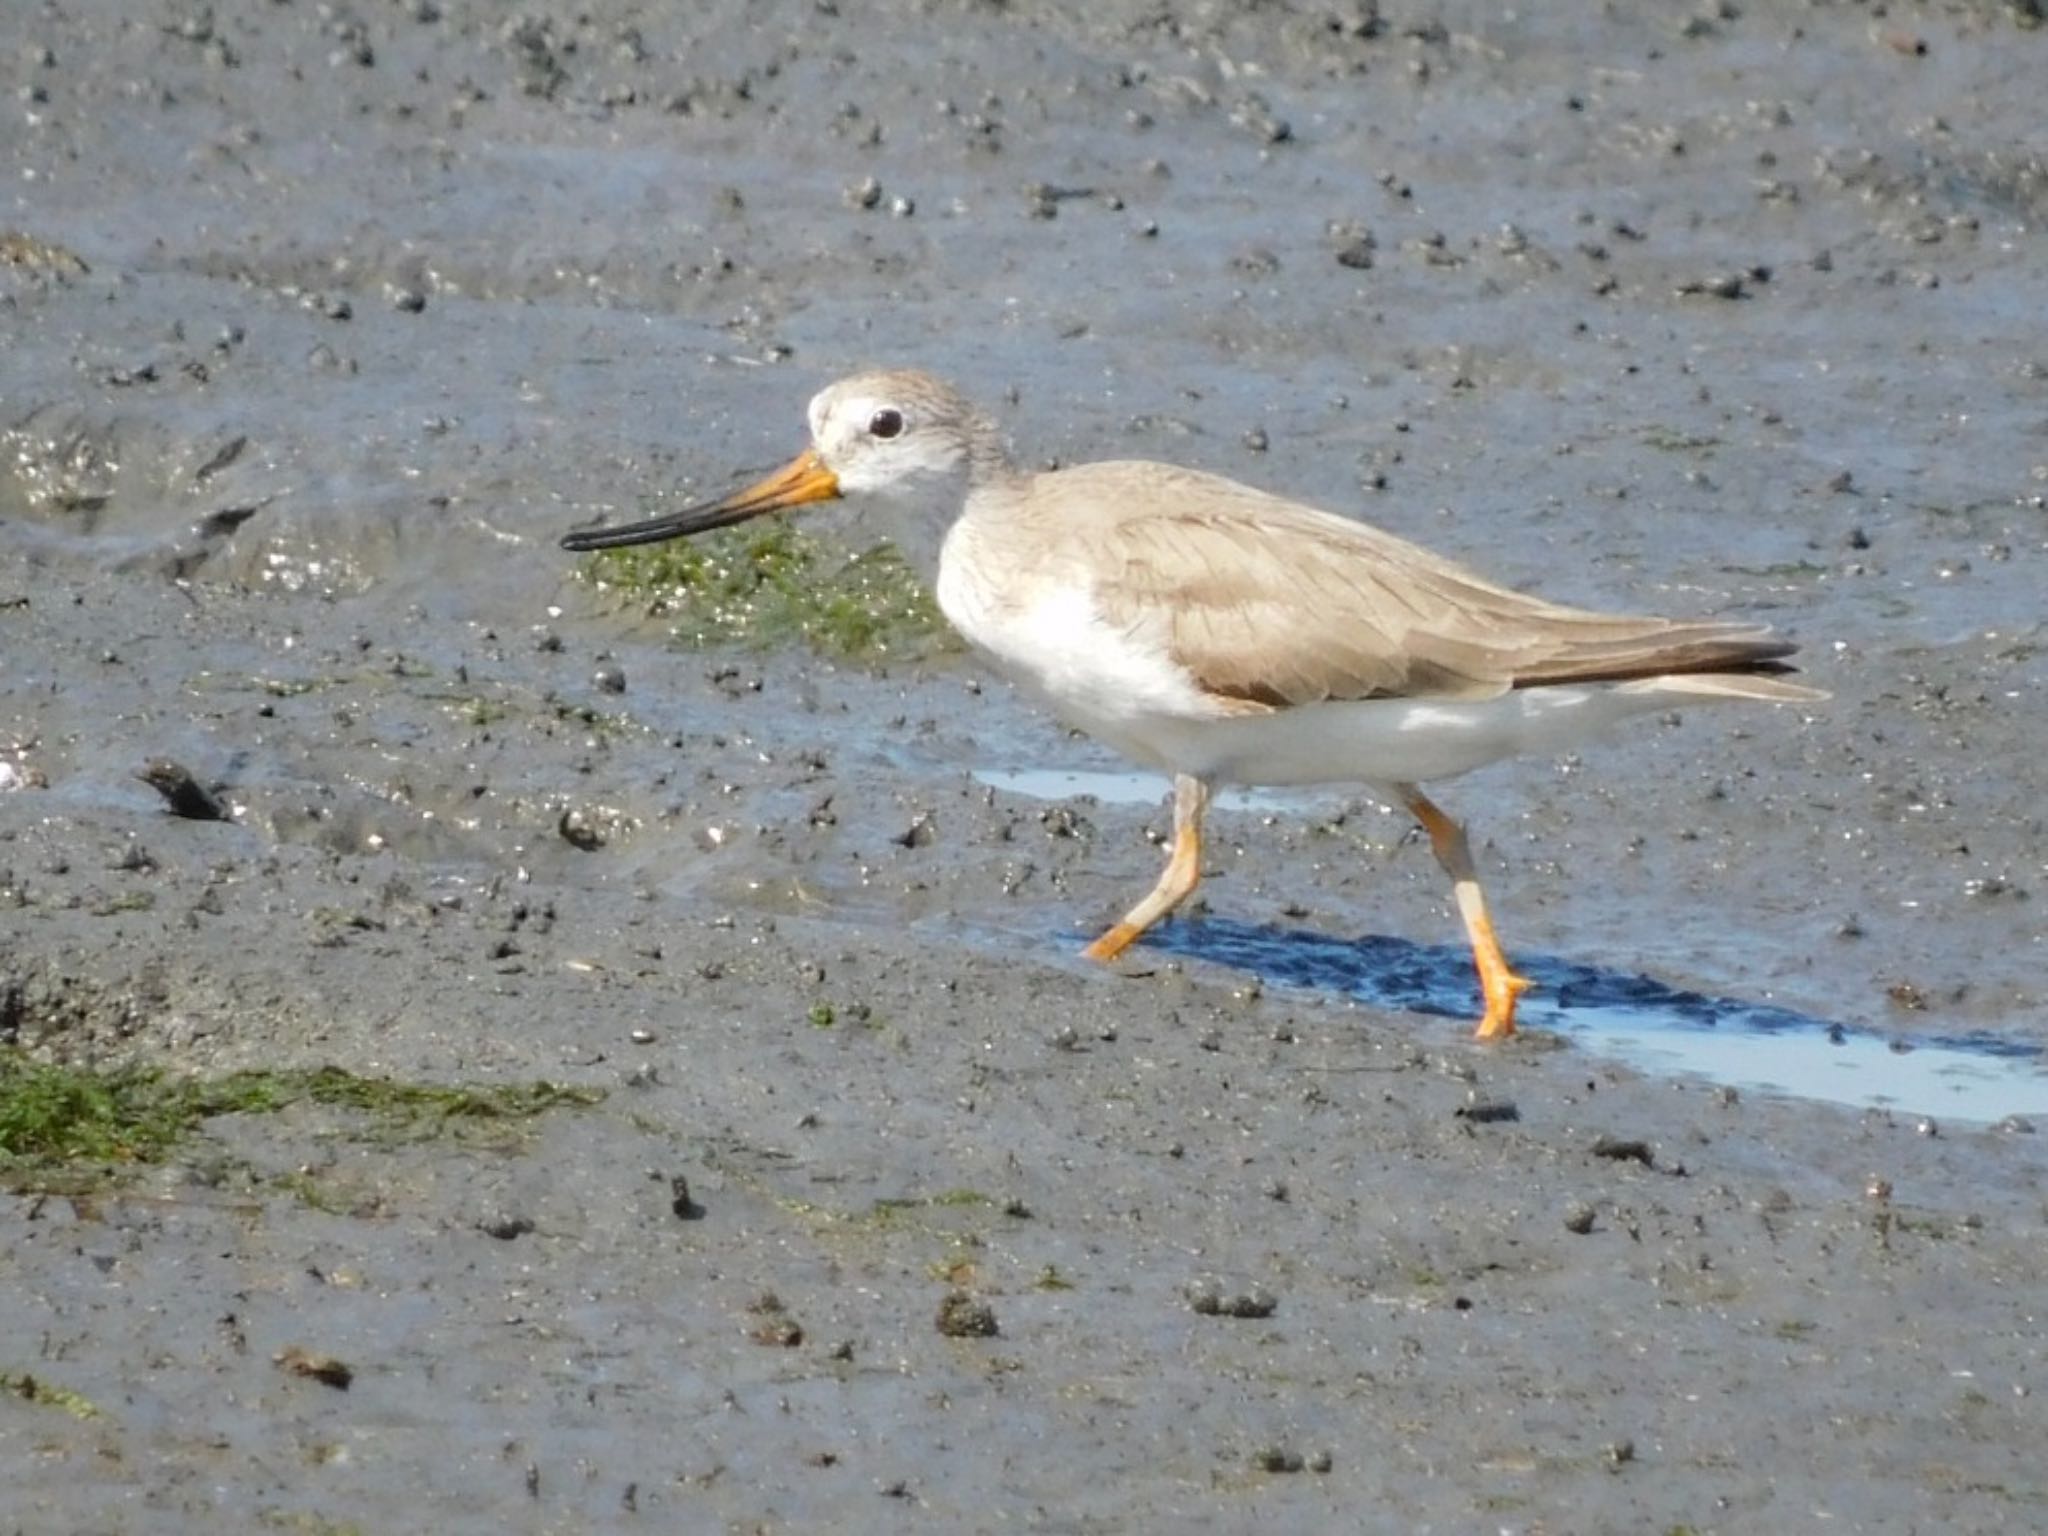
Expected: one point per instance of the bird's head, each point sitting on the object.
(896, 435)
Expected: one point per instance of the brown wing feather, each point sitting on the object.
(1270, 602)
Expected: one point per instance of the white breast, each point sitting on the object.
(1047, 634)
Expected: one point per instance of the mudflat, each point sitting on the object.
(339, 808)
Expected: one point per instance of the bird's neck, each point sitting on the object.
(915, 514)
(988, 456)
(915, 522)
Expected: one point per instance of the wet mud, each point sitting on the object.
(318, 325)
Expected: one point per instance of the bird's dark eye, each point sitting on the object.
(887, 422)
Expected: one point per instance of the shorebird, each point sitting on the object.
(1229, 636)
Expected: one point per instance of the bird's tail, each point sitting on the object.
(1728, 685)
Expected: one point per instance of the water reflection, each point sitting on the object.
(1960, 1076)
(1138, 788)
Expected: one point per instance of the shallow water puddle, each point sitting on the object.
(1964, 1077)
(1756, 1046)
(1111, 788)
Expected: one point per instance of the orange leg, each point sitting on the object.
(1183, 872)
(1500, 985)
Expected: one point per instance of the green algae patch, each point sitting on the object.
(59, 1123)
(45, 1393)
(773, 584)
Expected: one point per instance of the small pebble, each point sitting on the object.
(183, 794)
(578, 832)
(1208, 1300)
(680, 1201)
(1625, 1150)
(1488, 1111)
(1722, 285)
(962, 1316)
(325, 1369)
(777, 1327)
(778, 1332)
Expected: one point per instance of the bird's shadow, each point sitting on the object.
(1398, 974)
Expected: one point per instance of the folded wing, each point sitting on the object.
(1268, 602)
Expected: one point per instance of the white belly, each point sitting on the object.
(1395, 741)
